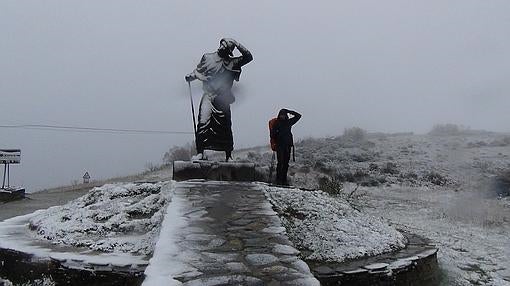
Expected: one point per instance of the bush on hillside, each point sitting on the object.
(436, 178)
(500, 142)
(355, 134)
(447, 130)
(331, 186)
(178, 153)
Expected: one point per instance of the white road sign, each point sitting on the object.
(10, 156)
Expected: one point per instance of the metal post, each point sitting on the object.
(8, 175)
(5, 171)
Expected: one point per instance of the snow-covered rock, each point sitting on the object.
(325, 228)
(115, 217)
(5, 282)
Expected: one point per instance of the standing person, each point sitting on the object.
(217, 71)
(282, 133)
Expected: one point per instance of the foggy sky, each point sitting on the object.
(382, 65)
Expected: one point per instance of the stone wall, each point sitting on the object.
(414, 265)
(21, 268)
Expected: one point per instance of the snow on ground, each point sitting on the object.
(329, 229)
(385, 159)
(5, 282)
(161, 270)
(441, 187)
(112, 218)
(44, 281)
(472, 233)
(15, 235)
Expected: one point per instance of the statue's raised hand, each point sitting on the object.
(230, 42)
(190, 77)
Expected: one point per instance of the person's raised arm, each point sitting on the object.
(295, 118)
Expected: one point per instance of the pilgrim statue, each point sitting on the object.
(217, 72)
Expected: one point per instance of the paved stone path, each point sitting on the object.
(218, 233)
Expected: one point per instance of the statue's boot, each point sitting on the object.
(199, 157)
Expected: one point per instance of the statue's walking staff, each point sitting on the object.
(193, 113)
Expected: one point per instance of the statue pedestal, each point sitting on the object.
(216, 171)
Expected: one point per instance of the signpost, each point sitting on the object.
(86, 178)
(8, 157)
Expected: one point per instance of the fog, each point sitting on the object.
(381, 65)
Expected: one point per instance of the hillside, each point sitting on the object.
(452, 188)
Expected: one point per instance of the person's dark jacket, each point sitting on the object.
(282, 130)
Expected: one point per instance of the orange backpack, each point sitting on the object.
(272, 140)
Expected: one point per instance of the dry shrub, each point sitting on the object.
(355, 134)
(447, 130)
(178, 153)
(500, 142)
(332, 186)
(390, 168)
(436, 178)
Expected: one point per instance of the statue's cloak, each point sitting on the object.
(214, 130)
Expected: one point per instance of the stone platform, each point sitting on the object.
(213, 233)
(217, 171)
